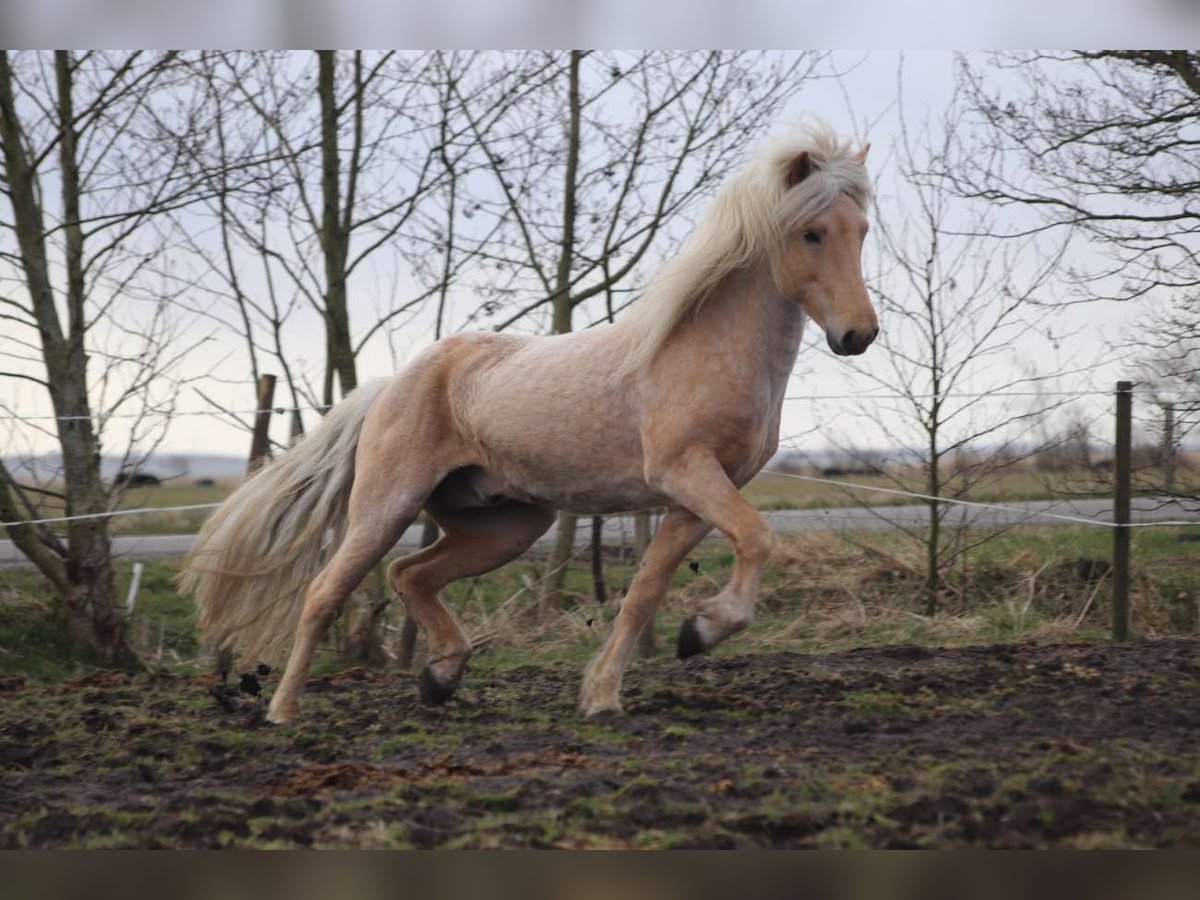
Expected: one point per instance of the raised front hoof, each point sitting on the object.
(434, 692)
(689, 643)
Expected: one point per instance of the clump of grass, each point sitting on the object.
(34, 638)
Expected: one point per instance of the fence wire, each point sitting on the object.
(954, 501)
(794, 398)
(848, 485)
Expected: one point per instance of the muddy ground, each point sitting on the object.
(1012, 746)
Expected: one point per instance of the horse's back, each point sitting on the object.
(543, 414)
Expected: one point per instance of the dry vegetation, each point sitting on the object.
(822, 592)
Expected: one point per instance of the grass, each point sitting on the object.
(778, 491)
(35, 641)
(166, 495)
(169, 494)
(821, 592)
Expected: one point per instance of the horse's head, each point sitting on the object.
(820, 261)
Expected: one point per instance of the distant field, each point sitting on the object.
(169, 494)
(767, 491)
(775, 491)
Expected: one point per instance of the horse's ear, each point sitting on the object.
(800, 169)
(861, 155)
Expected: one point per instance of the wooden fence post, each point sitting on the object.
(1121, 512)
(1168, 448)
(260, 442)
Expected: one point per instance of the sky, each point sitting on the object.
(863, 104)
(606, 23)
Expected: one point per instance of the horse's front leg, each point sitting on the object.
(679, 533)
(699, 484)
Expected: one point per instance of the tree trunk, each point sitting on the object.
(365, 643)
(562, 308)
(408, 644)
(599, 591)
(933, 549)
(933, 572)
(84, 577)
(647, 640)
(555, 580)
(335, 234)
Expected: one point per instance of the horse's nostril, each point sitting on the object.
(848, 340)
(875, 332)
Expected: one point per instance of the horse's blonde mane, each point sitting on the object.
(746, 223)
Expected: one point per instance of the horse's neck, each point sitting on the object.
(746, 324)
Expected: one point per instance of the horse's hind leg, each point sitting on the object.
(377, 517)
(475, 541)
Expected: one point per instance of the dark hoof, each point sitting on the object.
(689, 643)
(433, 692)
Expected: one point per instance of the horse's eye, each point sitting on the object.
(812, 237)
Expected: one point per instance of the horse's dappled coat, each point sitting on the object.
(678, 404)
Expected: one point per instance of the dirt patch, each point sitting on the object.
(1004, 746)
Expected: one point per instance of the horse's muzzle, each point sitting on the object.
(852, 342)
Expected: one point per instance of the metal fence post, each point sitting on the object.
(1121, 512)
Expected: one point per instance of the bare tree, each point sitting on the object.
(357, 198)
(953, 303)
(351, 150)
(85, 184)
(1105, 143)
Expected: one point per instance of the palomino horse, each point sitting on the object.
(676, 405)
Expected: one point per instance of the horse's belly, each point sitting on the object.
(584, 493)
(575, 452)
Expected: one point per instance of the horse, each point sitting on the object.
(677, 404)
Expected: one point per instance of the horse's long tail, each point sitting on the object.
(255, 556)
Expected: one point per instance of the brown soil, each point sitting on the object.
(1005, 746)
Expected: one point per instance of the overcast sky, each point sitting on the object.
(863, 103)
(600, 23)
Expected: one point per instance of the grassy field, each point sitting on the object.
(777, 491)
(842, 719)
